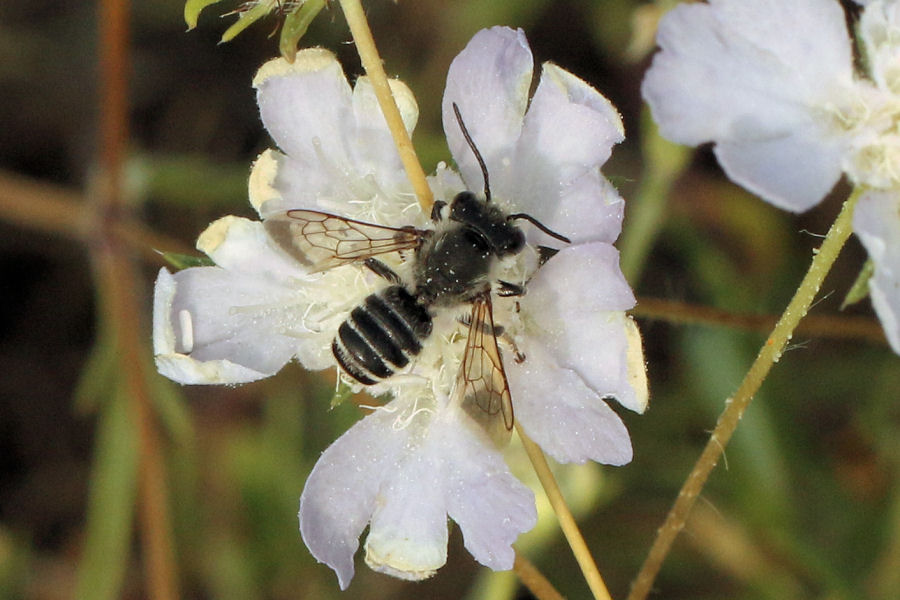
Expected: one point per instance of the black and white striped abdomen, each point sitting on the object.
(381, 335)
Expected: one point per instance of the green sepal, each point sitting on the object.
(860, 288)
(245, 20)
(295, 26)
(192, 10)
(184, 261)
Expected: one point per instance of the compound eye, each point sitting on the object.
(515, 243)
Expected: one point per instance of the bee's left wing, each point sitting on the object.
(320, 241)
(481, 381)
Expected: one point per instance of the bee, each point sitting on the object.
(451, 267)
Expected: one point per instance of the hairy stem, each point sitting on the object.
(371, 61)
(768, 355)
(565, 518)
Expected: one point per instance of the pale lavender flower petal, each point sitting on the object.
(577, 354)
(569, 420)
(876, 221)
(404, 475)
(793, 170)
(338, 154)
(568, 134)
(231, 323)
(489, 80)
(306, 105)
(490, 506)
(760, 78)
(341, 492)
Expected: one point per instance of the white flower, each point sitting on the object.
(772, 84)
(405, 468)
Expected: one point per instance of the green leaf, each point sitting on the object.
(98, 377)
(295, 26)
(110, 504)
(184, 261)
(245, 20)
(860, 288)
(192, 10)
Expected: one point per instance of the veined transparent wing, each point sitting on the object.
(481, 383)
(320, 241)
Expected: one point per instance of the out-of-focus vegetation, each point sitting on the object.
(807, 504)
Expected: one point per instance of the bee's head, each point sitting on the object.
(495, 232)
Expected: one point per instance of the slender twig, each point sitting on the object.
(371, 61)
(539, 586)
(117, 279)
(565, 518)
(825, 326)
(56, 210)
(734, 407)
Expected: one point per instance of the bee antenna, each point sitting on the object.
(540, 226)
(484, 171)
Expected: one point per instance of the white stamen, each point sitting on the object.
(187, 330)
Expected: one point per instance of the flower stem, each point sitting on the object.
(371, 61)
(534, 580)
(768, 355)
(117, 279)
(565, 518)
(823, 326)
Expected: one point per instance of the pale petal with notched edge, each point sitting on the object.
(306, 105)
(489, 80)
(568, 134)
(569, 126)
(876, 221)
(758, 78)
(490, 506)
(577, 299)
(408, 531)
(342, 490)
(569, 420)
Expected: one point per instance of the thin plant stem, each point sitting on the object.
(539, 586)
(117, 279)
(56, 210)
(565, 518)
(768, 355)
(824, 326)
(371, 62)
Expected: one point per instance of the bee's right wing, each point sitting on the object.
(481, 385)
(320, 241)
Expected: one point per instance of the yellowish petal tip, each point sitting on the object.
(306, 60)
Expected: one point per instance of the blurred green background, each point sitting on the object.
(806, 505)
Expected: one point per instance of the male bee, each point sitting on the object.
(451, 267)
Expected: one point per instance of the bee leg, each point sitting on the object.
(382, 270)
(510, 289)
(499, 332)
(436, 209)
(545, 253)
